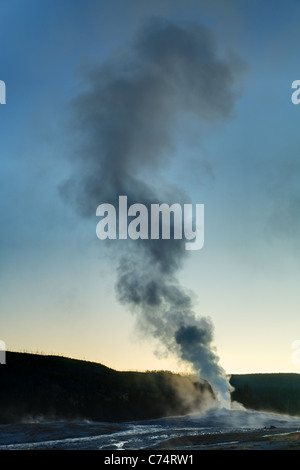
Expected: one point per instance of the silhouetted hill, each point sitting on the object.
(39, 387)
(268, 392)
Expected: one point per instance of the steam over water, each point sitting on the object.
(126, 124)
(213, 425)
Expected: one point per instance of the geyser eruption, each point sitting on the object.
(126, 121)
(195, 345)
(165, 312)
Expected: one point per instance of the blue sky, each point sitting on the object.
(57, 280)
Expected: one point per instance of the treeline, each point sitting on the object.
(52, 388)
(268, 392)
(39, 387)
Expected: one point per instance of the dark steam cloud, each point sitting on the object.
(125, 124)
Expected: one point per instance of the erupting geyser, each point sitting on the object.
(195, 347)
(127, 120)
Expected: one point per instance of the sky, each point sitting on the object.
(242, 162)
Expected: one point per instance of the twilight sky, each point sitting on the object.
(242, 162)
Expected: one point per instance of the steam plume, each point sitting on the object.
(125, 120)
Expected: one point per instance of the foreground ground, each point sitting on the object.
(251, 440)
